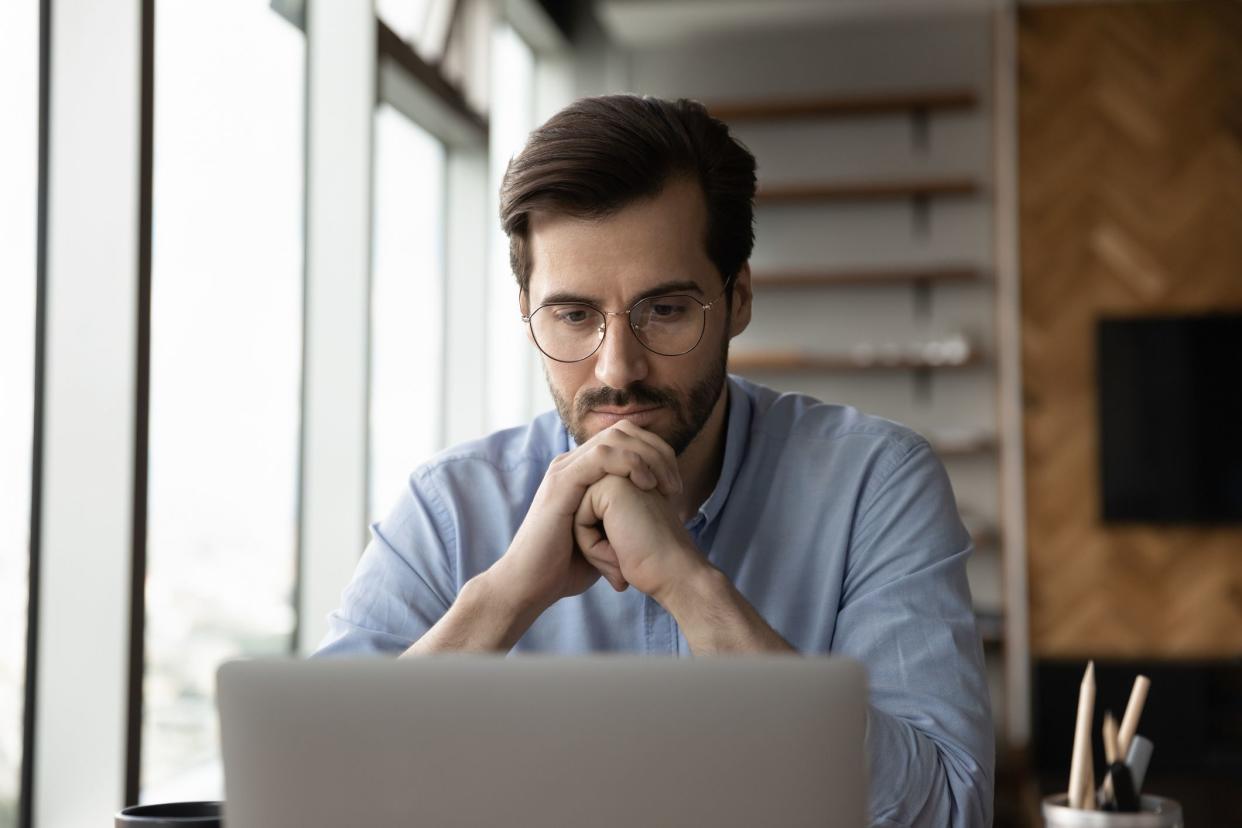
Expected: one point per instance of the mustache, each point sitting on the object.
(622, 397)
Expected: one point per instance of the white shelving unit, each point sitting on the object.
(875, 238)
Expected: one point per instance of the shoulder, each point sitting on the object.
(801, 426)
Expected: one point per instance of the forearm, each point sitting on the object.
(716, 618)
(484, 618)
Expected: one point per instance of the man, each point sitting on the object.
(666, 507)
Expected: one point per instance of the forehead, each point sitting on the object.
(608, 260)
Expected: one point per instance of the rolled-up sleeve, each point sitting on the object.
(906, 613)
(404, 582)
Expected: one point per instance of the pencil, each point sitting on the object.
(1134, 710)
(1110, 756)
(1080, 763)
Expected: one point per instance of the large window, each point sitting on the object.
(511, 360)
(19, 155)
(407, 304)
(225, 369)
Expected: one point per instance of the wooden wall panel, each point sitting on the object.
(1130, 176)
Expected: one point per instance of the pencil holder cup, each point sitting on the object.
(1157, 812)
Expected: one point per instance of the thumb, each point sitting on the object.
(590, 537)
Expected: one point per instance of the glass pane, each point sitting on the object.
(407, 303)
(19, 164)
(513, 365)
(225, 369)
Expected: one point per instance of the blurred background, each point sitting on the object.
(251, 275)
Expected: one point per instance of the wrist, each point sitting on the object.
(695, 583)
(498, 586)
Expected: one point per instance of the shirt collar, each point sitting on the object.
(737, 433)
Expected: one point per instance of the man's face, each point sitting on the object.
(652, 247)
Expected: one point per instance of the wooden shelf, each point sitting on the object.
(879, 276)
(798, 362)
(965, 447)
(866, 190)
(837, 106)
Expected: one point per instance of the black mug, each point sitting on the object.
(172, 815)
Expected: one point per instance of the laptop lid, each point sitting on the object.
(541, 740)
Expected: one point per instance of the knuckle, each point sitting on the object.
(557, 470)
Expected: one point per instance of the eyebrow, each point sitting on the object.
(672, 286)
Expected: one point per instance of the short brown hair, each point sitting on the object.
(598, 155)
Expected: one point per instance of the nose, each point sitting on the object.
(621, 359)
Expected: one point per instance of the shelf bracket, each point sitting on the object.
(920, 129)
(923, 385)
(920, 205)
(922, 299)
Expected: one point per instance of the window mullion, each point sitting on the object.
(341, 92)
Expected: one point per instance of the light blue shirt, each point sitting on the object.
(840, 528)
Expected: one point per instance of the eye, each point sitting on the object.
(668, 309)
(572, 316)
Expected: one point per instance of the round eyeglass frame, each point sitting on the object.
(633, 328)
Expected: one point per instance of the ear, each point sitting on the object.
(742, 297)
(524, 309)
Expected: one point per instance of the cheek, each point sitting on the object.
(566, 378)
(671, 374)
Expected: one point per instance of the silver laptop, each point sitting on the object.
(548, 741)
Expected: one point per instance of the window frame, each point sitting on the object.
(142, 658)
(25, 794)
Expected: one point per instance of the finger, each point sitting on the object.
(628, 437)
(595, 548)
(604, 559)
(650, 437)
(656, 442)
(588, 530)
(591, 540)
(617, 582)
(571, 474)
(619, 455)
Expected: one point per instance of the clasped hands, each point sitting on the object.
(604, 509)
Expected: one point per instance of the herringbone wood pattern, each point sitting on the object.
(1130, 164)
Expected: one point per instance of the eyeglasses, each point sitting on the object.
(666, 325)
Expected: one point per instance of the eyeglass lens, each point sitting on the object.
(667, 325)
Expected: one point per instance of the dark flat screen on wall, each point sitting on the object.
(1170, 418)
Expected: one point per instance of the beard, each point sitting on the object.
(690, 410)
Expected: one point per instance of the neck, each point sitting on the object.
(700, 463)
